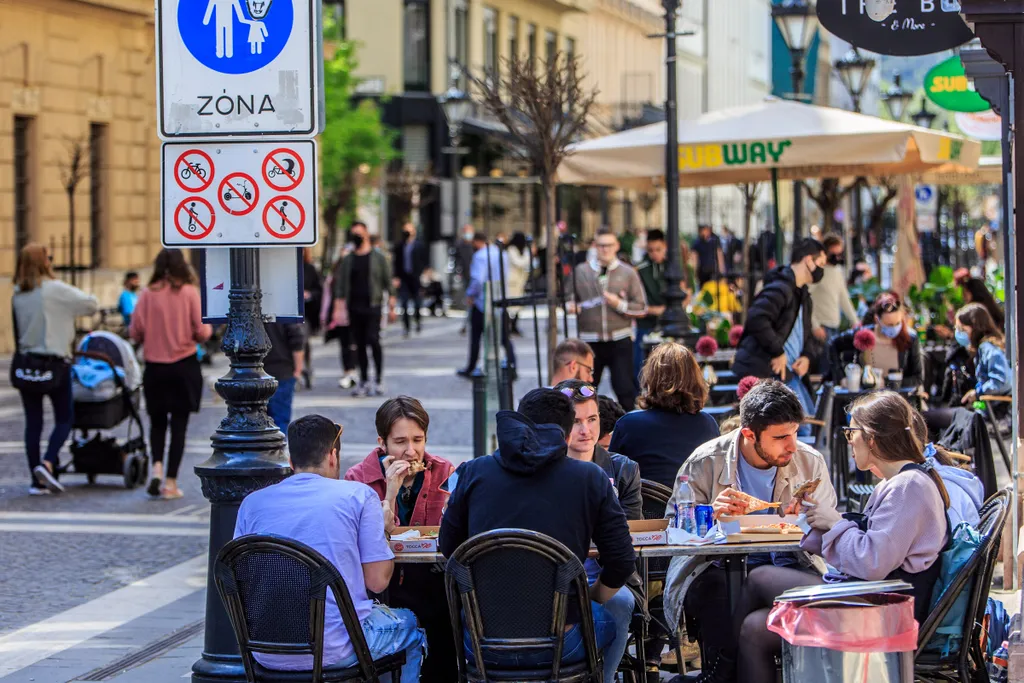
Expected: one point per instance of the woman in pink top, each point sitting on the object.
(168, 323)
(903, 530)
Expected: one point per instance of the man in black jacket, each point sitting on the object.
(284, 363)
(529, 483)
(409, 260)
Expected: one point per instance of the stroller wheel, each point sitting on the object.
(131, 471)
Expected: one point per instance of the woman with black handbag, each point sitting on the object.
(43, 311)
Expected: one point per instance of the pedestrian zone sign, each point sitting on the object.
(239, 194)
(239, 68)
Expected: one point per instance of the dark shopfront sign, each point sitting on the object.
(916, 27)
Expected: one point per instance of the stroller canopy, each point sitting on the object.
(119, 351)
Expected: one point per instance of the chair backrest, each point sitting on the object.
(979, 568)
(513, 589)
(275, 592)
(823, 411)
(654, 498)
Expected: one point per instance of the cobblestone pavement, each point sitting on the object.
(67, 552)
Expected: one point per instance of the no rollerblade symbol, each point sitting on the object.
(283, 169)
(194, 218)
(238, 194)
(283, 217)
(193, 171)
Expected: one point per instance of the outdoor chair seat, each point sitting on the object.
(330, 674)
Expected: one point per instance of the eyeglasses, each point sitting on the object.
(337, 437)
(848, 432)
(606, 245)
(585, 391)
(590, 368)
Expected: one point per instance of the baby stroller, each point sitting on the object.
(106, 383)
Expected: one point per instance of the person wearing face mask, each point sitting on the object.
(831, 296)
(408, 479)
(410, 259)
(896, 347)
(778, 326)
(977, 332)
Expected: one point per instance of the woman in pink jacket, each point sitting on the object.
(904, 531)
(168, 322)
(408, 481)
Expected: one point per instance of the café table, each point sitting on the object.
(723, 394)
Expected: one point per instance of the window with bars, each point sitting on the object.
(22, 180)
(490, 42)
(513, 37)
(462, 39)
(97, 188)
(531, 42)
(417, 46)
(550, 45)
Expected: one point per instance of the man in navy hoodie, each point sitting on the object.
(531, 483)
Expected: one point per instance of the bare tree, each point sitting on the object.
(647, 201)
(544, 106)
(749, 192)
(828, 194)
(73, 170)
(413, 188)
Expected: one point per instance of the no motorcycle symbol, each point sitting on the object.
(283, 169)
(283, 217)
(194, 218)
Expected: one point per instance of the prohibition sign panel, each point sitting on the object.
(283, 169)
(283, 217)
(194, 218)
(238, 193)
(193, 170)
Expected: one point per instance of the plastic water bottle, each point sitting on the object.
(997, 668)
(687, 508)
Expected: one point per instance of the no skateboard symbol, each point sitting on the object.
(283, 169)
(194, 218)
(238, 194)
(193, 171)
(283, 217)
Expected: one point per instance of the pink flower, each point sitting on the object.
(706, 346)
(745, 385)
(864, 340)
(735, 332)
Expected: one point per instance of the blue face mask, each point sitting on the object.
(962, 338)
(890, 331)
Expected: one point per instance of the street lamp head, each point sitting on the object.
(797, 22)
(456, 106)
(897, 98)
(923, 117)
(854, 70)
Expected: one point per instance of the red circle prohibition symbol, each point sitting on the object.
(282, 210)
(194, 227)
(241, 190)
(186, 169)
(275, 165)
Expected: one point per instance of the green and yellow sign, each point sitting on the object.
(711, 156)
(947, 86)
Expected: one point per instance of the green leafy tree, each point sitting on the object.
(353, 145)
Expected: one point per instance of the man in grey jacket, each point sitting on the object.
(764, 459)
(608, 295)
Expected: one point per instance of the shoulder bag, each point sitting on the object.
(35, 373)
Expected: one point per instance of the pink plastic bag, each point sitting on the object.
(885, 625)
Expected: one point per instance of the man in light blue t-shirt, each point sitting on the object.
(129, 297)
(342, 520)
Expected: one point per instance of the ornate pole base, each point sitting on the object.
(248, 453)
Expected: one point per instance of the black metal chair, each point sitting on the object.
(512, 590)
(275, 592)
(821, 424)
(968, 664)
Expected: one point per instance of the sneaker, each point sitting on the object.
(347, 382)
(362, 391)
(38, 491)
(378, 389)
(46, 478)
(465, 372)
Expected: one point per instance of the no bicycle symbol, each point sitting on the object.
(283, 169)
(283, 217)
(193, 171)
(238, 194)
(194, 218)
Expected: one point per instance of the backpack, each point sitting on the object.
(958, 552)
(995, 627)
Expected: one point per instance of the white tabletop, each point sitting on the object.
(654, 551)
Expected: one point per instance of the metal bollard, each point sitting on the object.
(479, 379)
(505, 395)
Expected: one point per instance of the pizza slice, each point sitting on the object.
(754, 504)
(805, 489)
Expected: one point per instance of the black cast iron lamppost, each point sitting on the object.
(854, 71)
(797, 22)
(456, 106)
(923, 117)
(897, 98)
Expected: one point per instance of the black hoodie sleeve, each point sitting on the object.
(629, 491)
(455, 522)
(611, 535)
(764, 311)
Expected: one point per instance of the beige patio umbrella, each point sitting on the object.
(745, 144)
(988, 172)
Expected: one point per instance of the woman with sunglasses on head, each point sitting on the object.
(897, 348)
(902, 532)
(408, 482)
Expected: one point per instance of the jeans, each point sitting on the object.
(408, 293)
(620, 608)
(617, 356)
(365, 326)
(388, 631)
(573, 650)
(477, 323)
(280, 404)
(63, 412)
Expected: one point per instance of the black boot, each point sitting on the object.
(718, 668)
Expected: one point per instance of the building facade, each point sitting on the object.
(77, 98)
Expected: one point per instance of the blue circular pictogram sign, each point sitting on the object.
(235, 36)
